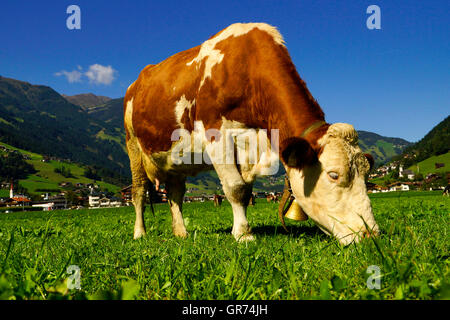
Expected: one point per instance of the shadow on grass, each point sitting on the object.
(271, 230)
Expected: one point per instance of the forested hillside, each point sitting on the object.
(38, 119)
(434, 143)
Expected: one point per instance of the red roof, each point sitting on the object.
(21, 199)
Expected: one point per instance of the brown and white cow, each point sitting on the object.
(243, 77)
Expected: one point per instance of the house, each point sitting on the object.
(104, 202)
(126, 194)
(5, 185)
(65, 184)
(398, 186)
(46, 206)
(115, 202)
(375, 188)
(157, 196)
(406, 173)
(409, 174)
(94, 201)
(439, 165)
(50, 203)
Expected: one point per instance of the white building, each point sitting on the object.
(94, 201)
(399, 187)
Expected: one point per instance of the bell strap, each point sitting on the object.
(286, 196)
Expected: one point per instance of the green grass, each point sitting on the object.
(412, 254)
(427, 166)
(4, 193)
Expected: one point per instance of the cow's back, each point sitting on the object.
(152, 98)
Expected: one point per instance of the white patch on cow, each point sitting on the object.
(129, 116)
(214, 56)
(180, 107)
(268, 161)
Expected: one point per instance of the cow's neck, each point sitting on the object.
(295, 116)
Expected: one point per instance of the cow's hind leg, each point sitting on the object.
(176, 187)
(139, 190)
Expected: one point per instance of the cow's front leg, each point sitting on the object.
(241, 229)
(238, 193)
(176, 187)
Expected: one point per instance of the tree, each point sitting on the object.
(395, 173)
(14, 167)
(65, 172)
(72, 198)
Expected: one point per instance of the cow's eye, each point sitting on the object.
(333, 175)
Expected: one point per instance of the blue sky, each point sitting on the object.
(394, 81)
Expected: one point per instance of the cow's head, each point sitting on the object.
(328, 181)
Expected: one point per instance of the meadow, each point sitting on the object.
(412, 254)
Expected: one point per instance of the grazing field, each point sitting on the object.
(428, 165)
(412, 254)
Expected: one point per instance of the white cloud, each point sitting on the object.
(72, 76)
(99, 74)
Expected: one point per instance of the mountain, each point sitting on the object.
(110, 112)
(111, 115)
(434, 143)
(381, 148)
(432, 148)
(86, 100)
(38, 119)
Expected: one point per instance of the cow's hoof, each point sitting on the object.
(245, 237)
(181, 234)
(138, 233)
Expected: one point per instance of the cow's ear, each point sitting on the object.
(297, 153)
(370, 159)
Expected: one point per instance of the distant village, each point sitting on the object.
(407, 180)
(75, 198)
(96, 199)
(89, 195)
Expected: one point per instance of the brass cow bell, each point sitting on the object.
(293, 209)
(295, 212)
